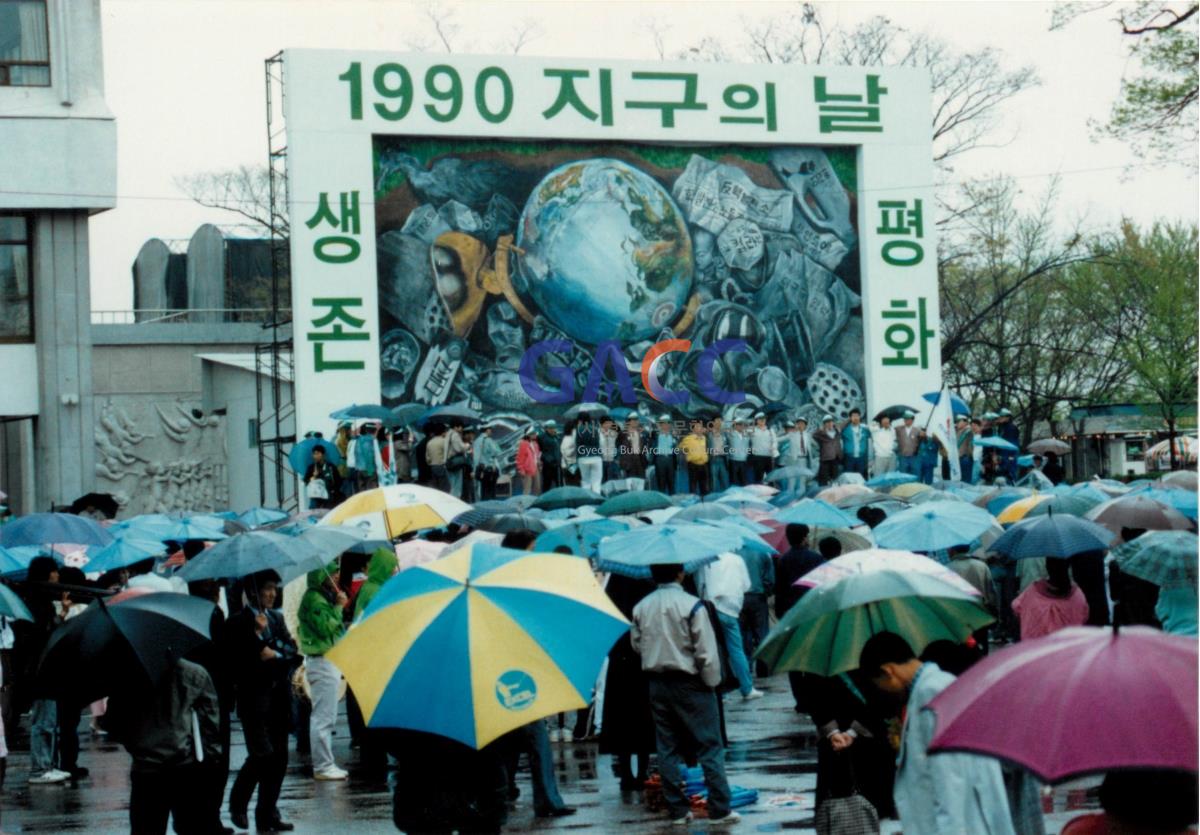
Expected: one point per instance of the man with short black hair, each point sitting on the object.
(856, 444)
(673, 634)
(943, 794)
(664, 457)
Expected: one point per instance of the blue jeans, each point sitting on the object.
(908, 464)
(731, 631)
(966, 464)
(686, 718)
(718, 474)
(928, 465)
(856, 464)
(43, 734)
(541, 768)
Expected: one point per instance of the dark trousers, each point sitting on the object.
(68, 736)
(760, 465)
(856, 464)
(551, 477)
(265, 765)
(827, 471)
(698, 479)
(686, 719)
(755, 623)
(153, 795)
(664, 474)
(740, 472)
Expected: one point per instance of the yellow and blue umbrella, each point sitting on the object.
(479, 643)
(387, 512)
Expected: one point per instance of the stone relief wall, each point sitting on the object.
(157, 456)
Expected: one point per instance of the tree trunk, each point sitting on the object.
(1171, 442)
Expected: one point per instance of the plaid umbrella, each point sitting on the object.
(1052, 536)
(1166, 558)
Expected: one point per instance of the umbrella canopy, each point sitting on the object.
(52, 529)
(569, 496)
(416, 552)
(854, 502)
(632, 552)
(490, 638)
(825, 631)
(881, 559)
(12, 607)
(996, 442)
(256, 517)
(1182, 500)
(705, 510)
(1065, 504)
(1049, 445)
(407, 413)
(581, 536)
(460, 411)
(835, 494)
(633, 503)
(484, 510)
(814, 512)
(1079, 701)
(957, 404)
(1187, 479)
(369, 411)
(122, 553)
(851, 540)
(102, 502)
(909, 489)
(1052, 536)
(387, 512)
(250, 553)
(895, 412)
(1137, 511)
(1165, 558)
(126, 646)
(788, 473)
(997, 501)
(509, 522)
(330, 541)
(892, 479)
(16, 560)
(1019, 509)
(1186, 448)
(300, 455)
(935, 526)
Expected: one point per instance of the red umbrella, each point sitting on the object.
(1079, 701)
(777, 538)
(1136, 511)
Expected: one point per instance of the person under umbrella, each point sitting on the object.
(322, 484)
(31, 639)
(949, 794)
(627, 728)
(263, 656)
(320, 628)
(1050, 604)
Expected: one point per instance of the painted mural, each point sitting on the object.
(488, 250)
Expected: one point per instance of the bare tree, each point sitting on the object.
(244, 190)
(523, 32)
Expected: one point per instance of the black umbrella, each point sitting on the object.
(128, 643)
(895, 412)
(509, 522)
(103, 502)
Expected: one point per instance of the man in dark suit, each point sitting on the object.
(797, 561)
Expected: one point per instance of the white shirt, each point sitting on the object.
(725, 582)
(884, 441)
(762, 442)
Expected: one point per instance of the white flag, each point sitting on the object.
(941, 427)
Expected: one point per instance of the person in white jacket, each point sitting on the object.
(798, 450)
(763, 448)
(725, 582)
(883, 445)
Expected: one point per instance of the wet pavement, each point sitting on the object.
(772, 749)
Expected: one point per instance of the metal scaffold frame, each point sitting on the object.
(276, 402)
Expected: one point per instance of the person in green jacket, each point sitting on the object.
(320, 627)
(380, 569)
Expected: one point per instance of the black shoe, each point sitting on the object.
(629, 784)
(276, 825)
(556, 812)
(78, 772)
(240, 820)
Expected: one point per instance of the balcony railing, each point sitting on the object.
(246, 315)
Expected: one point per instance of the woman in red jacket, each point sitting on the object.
(529, 462)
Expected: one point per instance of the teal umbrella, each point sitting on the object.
(123, 553)
(12, 607)
(633, 552)
(935, 526)
(1064, 505)
(635, 502)
(816, 512)
(582, 536)
(825, 631)
(1166, 558)
(570, 496)
(249, 553)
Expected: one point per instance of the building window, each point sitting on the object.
(24, 44)
(16, 280)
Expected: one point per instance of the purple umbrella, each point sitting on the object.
(1079, 701)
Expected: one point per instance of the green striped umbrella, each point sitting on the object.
(825, 632)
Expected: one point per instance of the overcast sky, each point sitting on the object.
(185, 80)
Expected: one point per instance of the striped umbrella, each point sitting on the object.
(387, 512)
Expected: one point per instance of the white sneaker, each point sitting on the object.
(731, 818)
(684, 821)
(53, 775)
(754, 693)
(331, 773)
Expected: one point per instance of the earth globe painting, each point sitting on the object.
(606, 253)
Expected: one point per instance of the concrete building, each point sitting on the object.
(58, 166)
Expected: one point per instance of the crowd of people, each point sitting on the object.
(698, 456)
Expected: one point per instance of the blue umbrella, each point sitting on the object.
(934, 526)
(1006, 496)
(1182, 500)
(996, 442)
(164, 528)
(447, 413)
(249, 553)
(957, 404)
(256, 517)
(53, 529)
(738, 521)
(12, 607)
(1024, 460)
(16, 560)
(122, 553)
(816, 513)
(406, 413)
(891, 479)
(300, 455)
(705, 510)
(1051, 536)
(369, 411)
(581, 536)
(632, 552)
